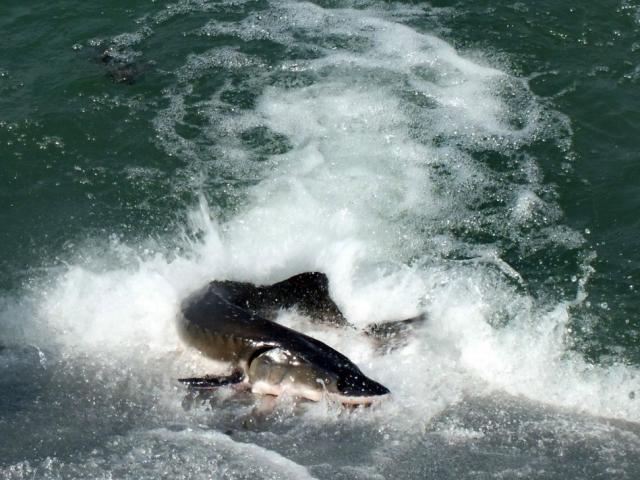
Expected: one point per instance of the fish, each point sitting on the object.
(227, 322)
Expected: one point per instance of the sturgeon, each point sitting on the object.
(227, 321)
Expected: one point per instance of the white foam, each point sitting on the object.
(162, 453)
(377, 175)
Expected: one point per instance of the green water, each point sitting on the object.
(583, 59)
(72, 140)
(230, 103)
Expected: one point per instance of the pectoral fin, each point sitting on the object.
(209, 382)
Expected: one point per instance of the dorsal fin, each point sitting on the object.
(308, 291)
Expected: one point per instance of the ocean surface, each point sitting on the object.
(477, 162)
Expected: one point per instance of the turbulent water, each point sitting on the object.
(475, 162)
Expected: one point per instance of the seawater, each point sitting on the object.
(472, 162)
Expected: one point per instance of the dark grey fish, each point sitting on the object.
(223, 321)
(121, 65)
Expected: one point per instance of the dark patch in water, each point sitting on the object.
(121, 66)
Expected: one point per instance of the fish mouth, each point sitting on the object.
(266, 388)
(357, 401)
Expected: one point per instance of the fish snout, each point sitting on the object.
(360, 386)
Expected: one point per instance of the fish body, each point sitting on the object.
(221, 321)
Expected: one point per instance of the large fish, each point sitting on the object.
(227, 321)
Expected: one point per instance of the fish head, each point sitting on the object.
(277, 371)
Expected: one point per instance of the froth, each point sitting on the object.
(360, 155)
(184, 454)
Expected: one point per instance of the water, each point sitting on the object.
(473, 161)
